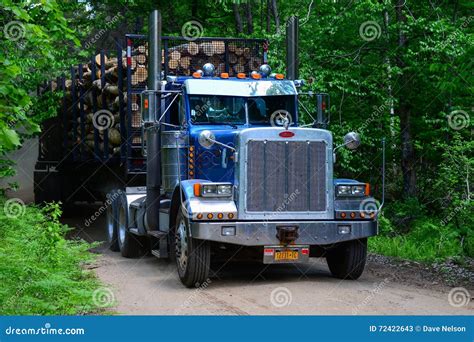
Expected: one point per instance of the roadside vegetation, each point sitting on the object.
(41, 272)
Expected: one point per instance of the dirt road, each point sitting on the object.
(150, 286)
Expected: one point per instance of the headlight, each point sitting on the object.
(213, 190)
(357, 190)
(344, 190)
(224, 190)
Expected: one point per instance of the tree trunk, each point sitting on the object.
(276, 15)
(248, 12)
(194, 8)
(238, 19)
(405, 111)
(269, 15)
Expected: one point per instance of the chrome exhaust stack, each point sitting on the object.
(153, 131)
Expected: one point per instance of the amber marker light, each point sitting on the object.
(256, 76)
(197, 75)
(220, 216)
(279, 76)
(199, 216)
(224, 75)
(210, 216)
(343, 215)
(230, 216)
(240, 75)
(197, 189)
(367, 189)
(353, 215)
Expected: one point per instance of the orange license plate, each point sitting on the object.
(286, 255)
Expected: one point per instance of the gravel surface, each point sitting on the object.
(149, 286)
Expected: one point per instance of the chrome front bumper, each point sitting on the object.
(260, 233)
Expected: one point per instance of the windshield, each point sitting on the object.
(217, 109)
(271, 109)
(274, 110)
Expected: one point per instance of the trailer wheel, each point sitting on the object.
(347, 259)
(129, 244)
(112, 222)
(193, 257)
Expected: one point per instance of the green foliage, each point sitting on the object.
(428, 241)
(42, 272)
(37, 45)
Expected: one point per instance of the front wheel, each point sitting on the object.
(347, 259)
(193, 257)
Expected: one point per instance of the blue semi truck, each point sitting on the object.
(229, 169)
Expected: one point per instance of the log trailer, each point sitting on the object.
(229, 171)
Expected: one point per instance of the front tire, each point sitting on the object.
(193, 257)
(347, 259)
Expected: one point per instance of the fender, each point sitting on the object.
(183, 196)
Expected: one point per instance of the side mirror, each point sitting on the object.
(206, 139)
(352, 140)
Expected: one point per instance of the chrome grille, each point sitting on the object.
(286, 176)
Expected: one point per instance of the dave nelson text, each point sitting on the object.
(417, 328)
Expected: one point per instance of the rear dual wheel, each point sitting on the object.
(119, 236)
(111, 222)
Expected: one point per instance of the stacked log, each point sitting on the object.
(96, 93)
(189, 57)
(93, 111)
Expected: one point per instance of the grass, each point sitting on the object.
(427, 241)
(41, 272)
